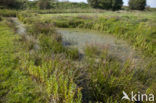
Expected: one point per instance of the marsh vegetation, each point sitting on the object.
(82, 55)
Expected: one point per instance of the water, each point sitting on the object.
(80, 38)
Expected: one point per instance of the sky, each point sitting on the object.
(151, 3)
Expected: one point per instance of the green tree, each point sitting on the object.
(44, 4)
(137, 4)
(117, 4)
(106, 4)
(13, 3)
(8, 3)
(93, 3)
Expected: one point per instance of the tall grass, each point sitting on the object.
(138, 32)
(106, 77)
(15, 85)
(52, 73)
(50, 78)
(8, 13)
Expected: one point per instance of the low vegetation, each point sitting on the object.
(51, 72)
(138, 31)
(8, 13)
(35, 67)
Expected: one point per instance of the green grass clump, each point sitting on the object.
(49, 44)
(57, 81)
(8, 13)
(28, 75)
(45, 28)
(72, 53)
(16, 85)
(48, 68)
(91, 51)
(27, 17)
(107, 80)
(106, 77)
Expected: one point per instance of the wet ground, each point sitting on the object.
(80, 38)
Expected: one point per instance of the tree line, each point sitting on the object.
(48, 4)
(117, 4)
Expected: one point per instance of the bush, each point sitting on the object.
(137, 4)
(106, 4)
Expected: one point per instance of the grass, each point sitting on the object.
(37, 68)
(15, 85)
(139, 14)
(51, 70)
(38, 79)
(8, 13)
(138, 31)
(68, 10)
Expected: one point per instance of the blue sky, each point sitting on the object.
(152, 3)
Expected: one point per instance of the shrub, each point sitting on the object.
(137, 4)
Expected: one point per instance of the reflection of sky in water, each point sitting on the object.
(80, 38)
